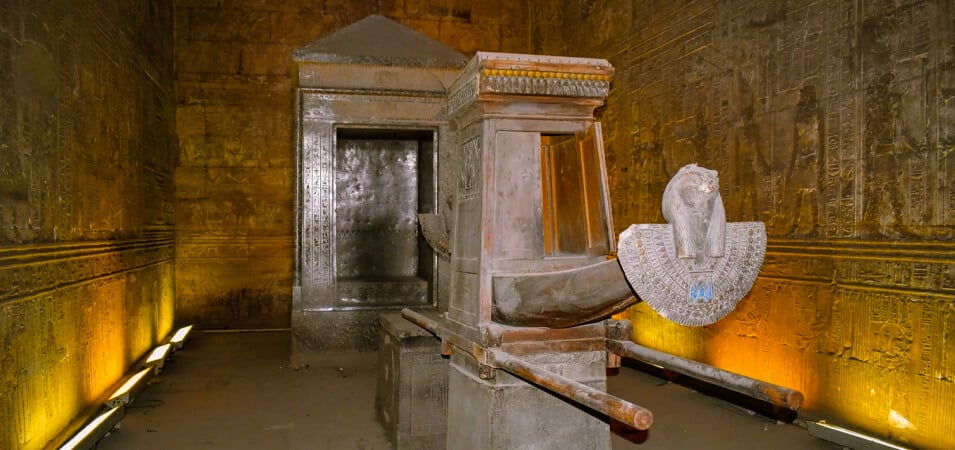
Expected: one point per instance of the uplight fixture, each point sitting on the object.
(99, 427)
(179, 338)
(158, 357)
(848, 438)
(124, 394)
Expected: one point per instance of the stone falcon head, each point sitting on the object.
(693, 206)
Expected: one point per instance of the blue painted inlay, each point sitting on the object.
(701, 291)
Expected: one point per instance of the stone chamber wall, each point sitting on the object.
(834, 123)
(87, 153)
(235, 183)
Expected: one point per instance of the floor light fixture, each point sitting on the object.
(124, 394)
(847, 437)
(179, 338)
(157, 358)
(99, 427)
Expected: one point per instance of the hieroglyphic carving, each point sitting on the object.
(667, 129)
(536, 82)
(464, 95)
(31, 270)
(467, 202)
(470, 167)
(317, 213)
(203, 247)
(824, 196)
(924, 276)
(782, 55)
(803, 178)
(906, 266)
(885, 154)
(537, 75)
(697, 296)
(872, 326)
(429, 394)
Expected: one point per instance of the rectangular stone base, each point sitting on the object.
(411, 400)
(318, 331)
(509, 413)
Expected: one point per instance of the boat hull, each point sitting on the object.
(562, 298)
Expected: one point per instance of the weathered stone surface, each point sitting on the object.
(317, 331)
(830, 122)
(214, 281)
(380, 41)
(87, 153)
(507, 412)
(229, 25)
(412, 396)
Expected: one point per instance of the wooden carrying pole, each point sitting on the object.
(777, 395)
(634, 415)
(630, 414)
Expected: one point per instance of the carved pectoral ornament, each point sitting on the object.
(695, 269)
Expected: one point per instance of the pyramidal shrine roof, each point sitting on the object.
(381, 41)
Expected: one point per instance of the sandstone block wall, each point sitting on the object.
(833, 123)
(87, 153)
(235, 182)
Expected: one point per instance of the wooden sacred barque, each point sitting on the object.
(530, 250)
(534, 273)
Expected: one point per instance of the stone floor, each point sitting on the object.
(236, 391)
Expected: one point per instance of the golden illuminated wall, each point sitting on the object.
(834, 123)
(87, 153)
(235, 183)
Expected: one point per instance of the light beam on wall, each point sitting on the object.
(100, 426)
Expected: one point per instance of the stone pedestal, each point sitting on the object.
(412, 395)
(509, 413)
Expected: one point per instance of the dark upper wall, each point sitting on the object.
(87, 153)
(235, 182)
(833, 123)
